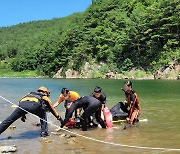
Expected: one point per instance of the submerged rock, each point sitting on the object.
(48, 141)
(71, 141)
(12, 127)
(37, 124)
(6, 149)
(9, 137)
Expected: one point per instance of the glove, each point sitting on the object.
(23, 118)
(78, 118)
(60, 119)
(62, 124)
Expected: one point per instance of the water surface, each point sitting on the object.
(160, 101)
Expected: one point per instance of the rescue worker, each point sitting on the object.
(88, 103)
(117, 113)
(96, 117)
(36, 103)
(100, 96)
(67, 95)
(132, 102)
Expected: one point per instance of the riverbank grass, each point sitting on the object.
(25, 73)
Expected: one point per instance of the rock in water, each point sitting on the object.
(6, 149)
(14, 106)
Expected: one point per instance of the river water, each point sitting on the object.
(160, 101)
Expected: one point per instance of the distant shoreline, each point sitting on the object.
(41, 77)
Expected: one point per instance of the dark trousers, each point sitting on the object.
(92, 108)
(115, 111)
(96, 119)
(32, 107)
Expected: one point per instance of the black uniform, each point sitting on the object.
(97, 115)
(117, 114)
(88, 103)
(102, 98)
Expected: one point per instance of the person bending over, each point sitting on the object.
(88, 103)
(36, 103)
(67, 95)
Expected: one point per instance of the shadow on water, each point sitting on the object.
(25, 135)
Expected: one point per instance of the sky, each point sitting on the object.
(13, 12)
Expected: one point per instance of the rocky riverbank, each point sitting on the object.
(95, 71)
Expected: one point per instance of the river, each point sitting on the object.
(160, 102)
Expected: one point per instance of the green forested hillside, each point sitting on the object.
(122, 34)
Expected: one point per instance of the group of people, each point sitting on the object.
(87, 110)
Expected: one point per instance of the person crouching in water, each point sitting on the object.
(36, 103)
(132, 102)
(88, 103)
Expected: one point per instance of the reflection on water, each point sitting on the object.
(159, 101)
(109, 134)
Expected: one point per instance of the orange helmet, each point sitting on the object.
(44, 89)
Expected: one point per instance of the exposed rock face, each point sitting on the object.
(72, 74)
(171, 72)
(86, 67)
(89, 71)
(58, 74)
(178, 77)
(158, 74)
(110, 75)
(86, 71)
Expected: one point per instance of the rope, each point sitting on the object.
(93, 139)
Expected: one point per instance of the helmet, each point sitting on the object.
(44, 89)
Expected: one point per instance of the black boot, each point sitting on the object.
(44, 134)
(84, 125)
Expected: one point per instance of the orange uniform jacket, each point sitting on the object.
(73, 96)
(135, 103)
